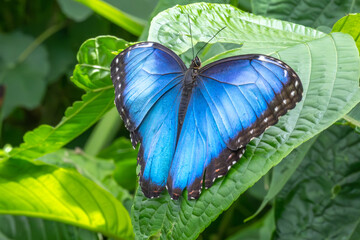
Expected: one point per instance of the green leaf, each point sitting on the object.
(351, 25)
(13, 228)
(321, 200)
(48, 192)
(165, 4)
(94, 57)
(98, 170)
(82, 115)
(74, 10)
(308, 13)
(130, 23)
(25, 81)
(171, 28)
(282, 173)
(328, 66)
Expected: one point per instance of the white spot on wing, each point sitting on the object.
(276, 109)
(261, 58)
(284, 101)
(148, 44)
(266, 119)
(292, 93)
(296, 83)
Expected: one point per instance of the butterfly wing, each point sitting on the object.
(147, 77)
(235, 99)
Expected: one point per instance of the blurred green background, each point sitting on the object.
(39, 40)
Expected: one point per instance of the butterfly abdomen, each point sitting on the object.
(186, 93)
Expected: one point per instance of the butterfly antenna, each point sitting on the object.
(210, 40)
(192, 44)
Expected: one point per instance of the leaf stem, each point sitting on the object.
(103, 133)
(130, 23)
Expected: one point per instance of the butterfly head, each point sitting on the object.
(196, 63)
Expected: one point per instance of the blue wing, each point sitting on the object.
(147, 77)
(235, 100)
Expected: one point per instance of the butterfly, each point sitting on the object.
(194, 123)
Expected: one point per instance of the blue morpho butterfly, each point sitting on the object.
(194, 123)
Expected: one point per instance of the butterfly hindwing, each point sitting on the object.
(235, 100)
(147, 77)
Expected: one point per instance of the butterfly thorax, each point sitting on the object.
(190, 78)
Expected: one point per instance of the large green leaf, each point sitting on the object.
(98, 170)
(44, 191)
(321, 200)
(13, 228)
(258, 34)
(328, 66)
(165, 4)
(92, 74)
(308, 13)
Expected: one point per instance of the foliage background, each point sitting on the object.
(88, 186)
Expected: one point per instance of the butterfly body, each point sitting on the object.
(194, 123)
